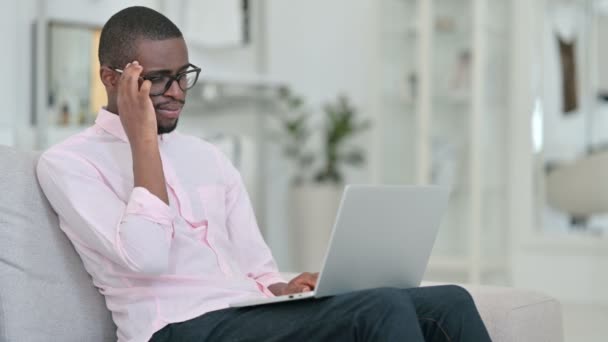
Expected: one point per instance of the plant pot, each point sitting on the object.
(312, 212)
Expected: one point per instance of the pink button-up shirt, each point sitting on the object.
(155, 263)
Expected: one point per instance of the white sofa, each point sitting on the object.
(46, 294)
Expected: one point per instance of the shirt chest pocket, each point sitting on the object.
(213, 200)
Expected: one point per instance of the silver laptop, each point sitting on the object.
(382, 237)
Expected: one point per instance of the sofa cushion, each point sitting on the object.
(45, 292)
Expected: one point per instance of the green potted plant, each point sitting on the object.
(318, 171)
(341, 124)
(325, 163)
(294, 132)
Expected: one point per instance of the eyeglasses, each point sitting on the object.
(161, 83)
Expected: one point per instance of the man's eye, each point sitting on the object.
(155, 79)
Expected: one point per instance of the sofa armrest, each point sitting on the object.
(512, 314)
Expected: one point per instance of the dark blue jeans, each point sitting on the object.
(439, 313)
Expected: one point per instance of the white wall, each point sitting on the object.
(323, 47)
(9, 59)
(95, 12)
(320, 48)
(234, 61)
(602, 53)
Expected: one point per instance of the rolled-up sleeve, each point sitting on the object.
(136, 234)
(144, 204)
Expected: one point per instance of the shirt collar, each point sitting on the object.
(110, 123)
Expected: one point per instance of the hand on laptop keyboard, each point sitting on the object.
(305, 282)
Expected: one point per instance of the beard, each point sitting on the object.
(164, 129)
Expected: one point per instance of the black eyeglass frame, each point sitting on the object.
(191, 68)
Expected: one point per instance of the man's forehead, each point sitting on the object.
(167, 54)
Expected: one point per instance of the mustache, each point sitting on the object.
(173, 103)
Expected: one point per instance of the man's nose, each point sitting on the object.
(175, 91)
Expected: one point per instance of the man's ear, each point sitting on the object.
(109, 77)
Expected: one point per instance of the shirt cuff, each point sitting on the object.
(143, 203)
(268, 279)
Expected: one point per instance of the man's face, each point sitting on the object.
(165, 58)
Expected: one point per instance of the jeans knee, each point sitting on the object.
(458, 292)
(459, 296)
(383, 312)
(385, 296)
(388, 302)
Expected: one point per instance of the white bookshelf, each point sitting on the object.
(435, 132)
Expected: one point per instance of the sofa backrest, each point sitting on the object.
(45, 292)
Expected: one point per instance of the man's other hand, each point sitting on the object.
(303, 283)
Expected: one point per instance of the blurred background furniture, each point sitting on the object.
(579, 188)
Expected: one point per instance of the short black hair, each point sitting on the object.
(121, 32)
